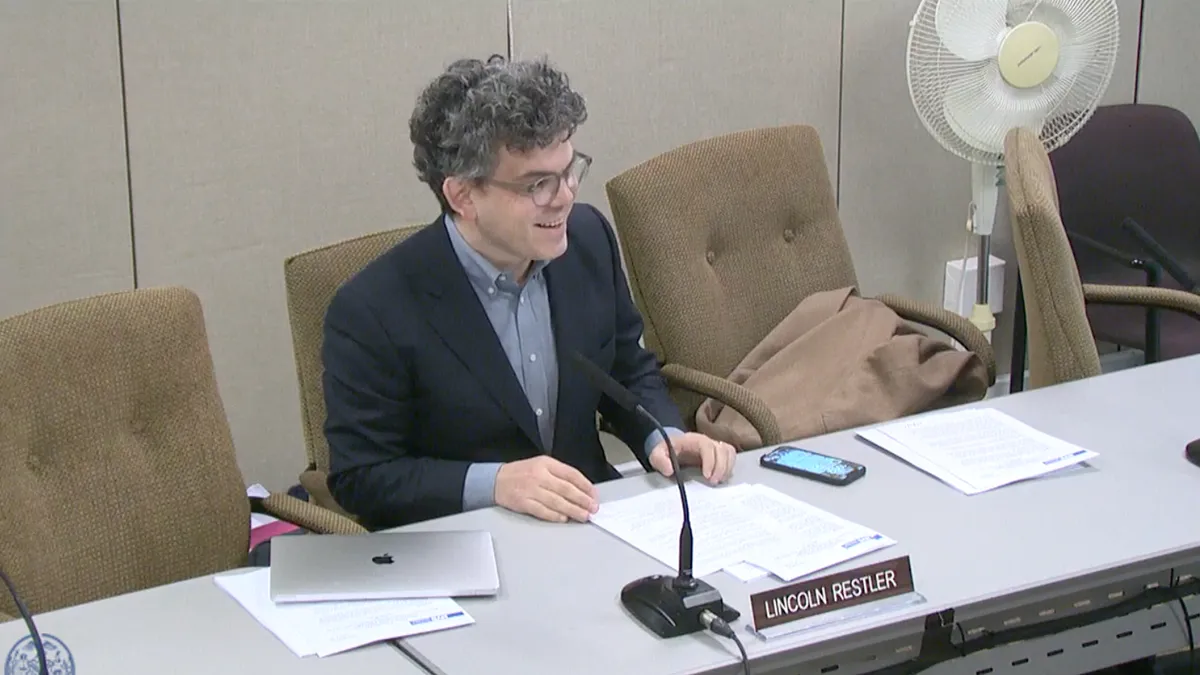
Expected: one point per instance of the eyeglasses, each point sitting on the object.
(543, 190)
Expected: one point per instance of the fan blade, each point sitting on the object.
(981, 108)
(971, 29)
(1069, 11)
(1077, 30)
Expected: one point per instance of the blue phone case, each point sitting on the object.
(815, 465)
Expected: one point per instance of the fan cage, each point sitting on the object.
(938, 78)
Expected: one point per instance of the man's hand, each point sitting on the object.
(545, 488)
(714, 458)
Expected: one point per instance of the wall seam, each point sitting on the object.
(509, 30)
(125, 133)
(1137, 64)
(837, 188)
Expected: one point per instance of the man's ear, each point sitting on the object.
(458, 194)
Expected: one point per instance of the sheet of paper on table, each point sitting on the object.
(326, 628)
(747, 530)
(975, 450)
(746, 572)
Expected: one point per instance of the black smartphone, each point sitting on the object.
(813, 465)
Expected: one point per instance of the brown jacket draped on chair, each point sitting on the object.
(839, 361)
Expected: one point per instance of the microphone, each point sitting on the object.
(668, 606)
(1160, 255)
(1192, 452)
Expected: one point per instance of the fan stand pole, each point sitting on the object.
(981, 313)
(985, 196)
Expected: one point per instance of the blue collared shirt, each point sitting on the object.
(520, 315)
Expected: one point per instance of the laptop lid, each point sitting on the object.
(383, 565)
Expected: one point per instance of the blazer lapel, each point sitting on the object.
(453, 310)
(572, 325)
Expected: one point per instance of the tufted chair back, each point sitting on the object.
(722, 238)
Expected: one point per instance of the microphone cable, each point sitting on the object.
(721, 627)
(44, 668)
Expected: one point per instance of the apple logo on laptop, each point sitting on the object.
(385, 559)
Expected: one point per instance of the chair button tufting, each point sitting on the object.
(788, 235)
(710, 257)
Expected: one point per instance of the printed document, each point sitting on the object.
(722, 529)
(746, 572)
(977, 449)
(747, 530)
(812, 540)
(326, 628)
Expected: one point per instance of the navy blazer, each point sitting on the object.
(417, 385)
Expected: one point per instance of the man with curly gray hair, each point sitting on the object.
(448, 377)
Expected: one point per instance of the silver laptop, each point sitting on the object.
(382, 565)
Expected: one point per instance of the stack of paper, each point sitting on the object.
(746, 530)
(976, 449)
(325, 628)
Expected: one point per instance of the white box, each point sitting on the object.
(963, 305)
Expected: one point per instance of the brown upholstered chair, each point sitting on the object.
(312, 277)
(722, 239)
(117, 466)
(1061, 343)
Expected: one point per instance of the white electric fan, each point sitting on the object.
(979, 68)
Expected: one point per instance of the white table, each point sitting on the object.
(187, 627)
(1002, 556)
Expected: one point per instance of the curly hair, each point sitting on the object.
(475, 108)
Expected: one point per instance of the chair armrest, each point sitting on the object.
(315, 483)
(309, 516)
(1153, 270)
(1160, 255)
(1111, 252)
(957, 327)
(1143, 296)
(741, 399)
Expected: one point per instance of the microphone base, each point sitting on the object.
(670, 610)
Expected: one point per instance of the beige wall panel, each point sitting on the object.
(1124, 79)
(657, 75)
(259, 129)
(903, 197)
(1171, 56)
(64, 198)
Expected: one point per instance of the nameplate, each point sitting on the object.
(831, 592)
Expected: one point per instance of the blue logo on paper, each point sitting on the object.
(430, 619)
(1056, 460)
(856, 542)
(23, 657)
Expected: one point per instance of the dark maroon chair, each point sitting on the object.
(1139, 163)
(1129, 192)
